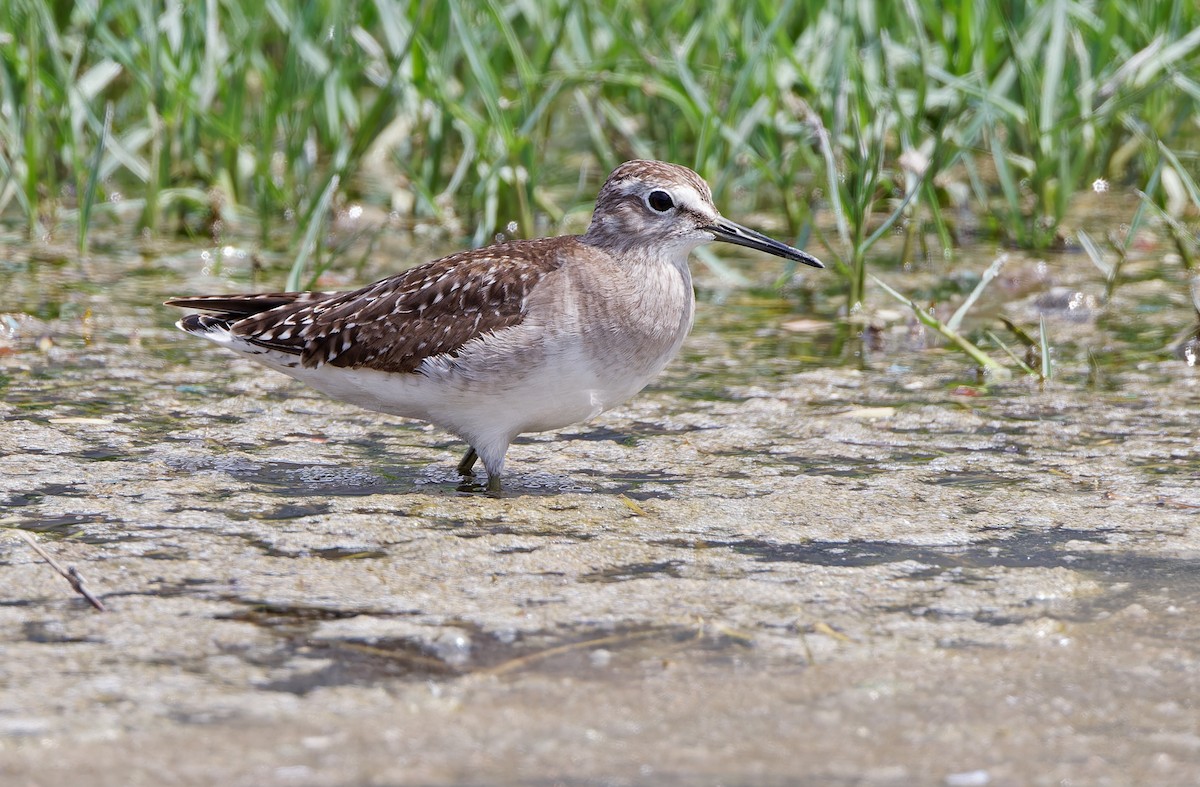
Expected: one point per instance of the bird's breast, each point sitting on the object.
(587, 344)
(629, 325)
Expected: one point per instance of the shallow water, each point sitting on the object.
(810, 551)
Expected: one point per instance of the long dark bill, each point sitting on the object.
(732, 232)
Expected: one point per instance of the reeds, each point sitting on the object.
(488, 115)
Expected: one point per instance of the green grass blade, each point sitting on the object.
(1095, 255)
(1139, 215)
(992, 271)
(1008, 185)
(1180, 170)
(93, 180)
(993, 367)
(1007, 351)
(316, 224)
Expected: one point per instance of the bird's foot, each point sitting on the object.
(466, 467)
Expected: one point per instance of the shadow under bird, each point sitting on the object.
(524, 336)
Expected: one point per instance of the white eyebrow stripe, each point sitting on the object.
(687, 199)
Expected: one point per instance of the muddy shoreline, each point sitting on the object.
(763, 574)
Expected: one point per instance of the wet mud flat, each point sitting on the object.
(829, 575)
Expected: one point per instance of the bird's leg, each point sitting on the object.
(466, 467)
(493, 461)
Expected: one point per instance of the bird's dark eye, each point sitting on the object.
(661, 201)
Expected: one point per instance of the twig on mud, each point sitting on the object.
(518, 662)
(71, 574)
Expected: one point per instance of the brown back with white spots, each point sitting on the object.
(395, 324)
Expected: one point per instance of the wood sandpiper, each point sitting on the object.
(523, 336)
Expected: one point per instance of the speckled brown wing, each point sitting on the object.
(395, 324)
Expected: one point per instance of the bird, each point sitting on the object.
(520, 336)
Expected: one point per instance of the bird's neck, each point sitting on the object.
(629, 251)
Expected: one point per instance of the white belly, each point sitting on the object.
(581, 351)
(474, 395)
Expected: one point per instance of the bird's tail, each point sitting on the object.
(236, 307)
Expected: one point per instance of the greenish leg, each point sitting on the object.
(467, 466)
